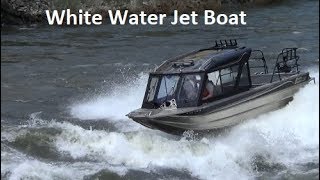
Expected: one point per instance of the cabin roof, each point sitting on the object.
(202, 60)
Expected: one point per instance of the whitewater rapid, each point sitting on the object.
(285, 140)
(115, 105)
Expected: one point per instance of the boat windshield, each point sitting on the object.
(161, 89)
(167, 88)
(189, 91)
(183, 88)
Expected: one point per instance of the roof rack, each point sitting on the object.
(226, 44)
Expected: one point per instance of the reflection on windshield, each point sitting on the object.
(152, 89)
(183, 88)
(190, 88)
(168, 86)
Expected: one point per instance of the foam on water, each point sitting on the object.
(16, 165)
(115, 106)
(38, 170)
(288, 136)
(35, 169)
(144, 150)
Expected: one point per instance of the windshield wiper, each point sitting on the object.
(173, 87)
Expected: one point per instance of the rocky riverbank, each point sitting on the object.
(26, 11)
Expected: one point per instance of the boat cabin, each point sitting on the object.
(210, 74)
(199, 77)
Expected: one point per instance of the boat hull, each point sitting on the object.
(225, 113)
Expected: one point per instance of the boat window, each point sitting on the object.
(168, 87)
(224, 81)
(152, 89)
(244, 78)
(214, 77)
(228, 77)
(229, 74)
(189, 90)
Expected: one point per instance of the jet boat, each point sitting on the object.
(241, 88)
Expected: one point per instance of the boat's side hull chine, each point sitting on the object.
(228, 115)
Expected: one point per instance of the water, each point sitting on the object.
(65, 92)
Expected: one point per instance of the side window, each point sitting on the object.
(228, 78)
(190, 86)
(224, 81)
(189, 91)
(214, 77)
(152, 89)
(244, 78)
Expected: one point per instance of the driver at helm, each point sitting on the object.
(208, 90)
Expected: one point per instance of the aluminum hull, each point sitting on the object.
(226, 112)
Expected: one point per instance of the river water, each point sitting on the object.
(65, 92)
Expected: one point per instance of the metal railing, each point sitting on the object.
(287, 60)
(257, 55)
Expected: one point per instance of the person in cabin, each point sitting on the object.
(191, 87)
(208, 90)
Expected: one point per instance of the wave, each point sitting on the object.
(288, 137)
(280, 142)
(115, 105)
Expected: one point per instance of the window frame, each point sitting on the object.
(152, 104)
(236, 81)
(239, 64)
